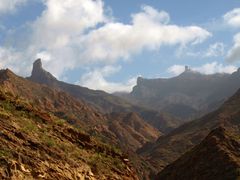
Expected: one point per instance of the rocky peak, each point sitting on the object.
(37, 65)
(39, 74)
(139, 80)
(188, 72)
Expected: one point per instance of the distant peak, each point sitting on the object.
(187, 68)
(37, 64)
(139, 80)
(188, 72)
(238, 70)
(39, 74)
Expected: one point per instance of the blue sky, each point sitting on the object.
(107, 44)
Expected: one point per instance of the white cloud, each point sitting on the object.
(58, 29)
(64, 20)
(215, 50)
(73, 33)
(96, 79)
(176, 69)
(234, 52)
(149, 30)
(45, 56)
(9, 58)
(209, 68)
(232, 18)
(214, 67)
(9, 6)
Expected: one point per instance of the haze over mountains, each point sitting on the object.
(187, 96)
(137, 134)
(170, 147)
(104, 102)
(156, 92)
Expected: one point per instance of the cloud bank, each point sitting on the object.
(73, 33)
(96, 79)
(232, 18)
(208, 68)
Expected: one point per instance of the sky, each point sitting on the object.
(107, 44)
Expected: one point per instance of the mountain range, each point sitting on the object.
(170, 147)
(39, 142)
(187, 96)
(104, 102)
(163, 129)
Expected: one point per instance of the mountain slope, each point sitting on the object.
(187, 96)
(216, 157)
(132, 130)
(104, 102)
(80, 114)
(170, 147)
(35, 144)
(50, 102)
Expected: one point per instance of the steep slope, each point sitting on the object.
(168, 148)
(80, 114)
(101, 100)
(35, 144)
(63, 106)
(216, 157)
(187, 96)
(59, 103)
(132, 130)
(104, 102)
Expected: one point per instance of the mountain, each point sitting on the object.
(52, 103)
(170, 147)
(187, 96)
(216, 157)
(36, 144)
(104, 102)
(132, 130)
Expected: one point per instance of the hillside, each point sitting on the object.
(104, 102)
(36, 144)
(187, 96)
(216, 157)
(170, 147)
(132, 130)
(82, 116)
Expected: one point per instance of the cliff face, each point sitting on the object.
(188, 95)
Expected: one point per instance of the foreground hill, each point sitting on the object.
(216, 157)
(106, 128)
(36, 144)
(104, 102)
(80, 114)
(187, 96)
(170, 147)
